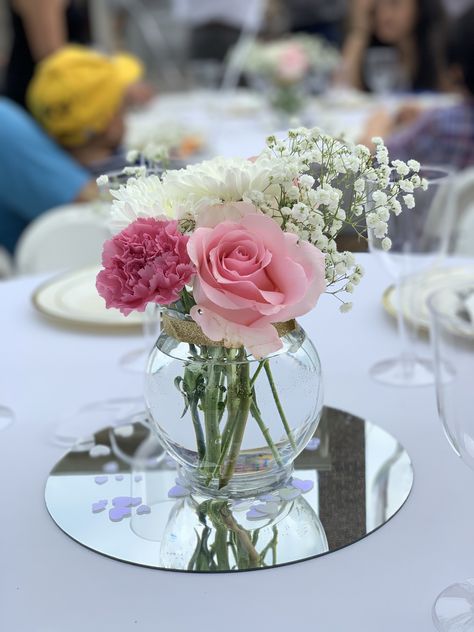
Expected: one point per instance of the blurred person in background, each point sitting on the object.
(414, 30)
(40, 27)
(442, 136)
(318, 17)
(79, 97)
(35, 174)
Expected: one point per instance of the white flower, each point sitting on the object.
(345, 307)
(414, 165)
(359, 185)
(306, 181)
(407, 186)
(409, 201)
(377, 140)
(349, 288)
(102, 180)
(401, 167)
(395, 206)
(386, 243)
(141, 197)
(383, 214)
(379, 197)
(132, 155)
(380, 229)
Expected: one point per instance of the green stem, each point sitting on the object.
(210, 404)
(201, 445)
(281, 412)
(238, 404)
(257, 372)
(266, 433)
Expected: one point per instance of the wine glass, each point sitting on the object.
(452, 335)
(383, 72)
(7, 417)
(419, 239)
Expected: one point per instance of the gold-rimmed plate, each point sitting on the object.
(72, 299)
(419, 288)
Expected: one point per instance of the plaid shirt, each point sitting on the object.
(439, 137)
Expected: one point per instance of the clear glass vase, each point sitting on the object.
(233, 424)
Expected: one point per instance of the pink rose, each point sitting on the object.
(293, 64)
(210, 216)
(146, 262)
(249, 275)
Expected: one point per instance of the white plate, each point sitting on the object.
(72, 299)
(419, 289)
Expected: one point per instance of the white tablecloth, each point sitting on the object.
(384, 583)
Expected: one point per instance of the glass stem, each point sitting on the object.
(407, 355)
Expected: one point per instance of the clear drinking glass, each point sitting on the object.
(419, 239)
(452, 334)
(382, 70)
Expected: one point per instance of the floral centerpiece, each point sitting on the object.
(290, 68)
(234, 250)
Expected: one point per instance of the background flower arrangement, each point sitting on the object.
(238, 249)
(290, 68)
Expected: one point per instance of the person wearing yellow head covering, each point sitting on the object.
(78, 95)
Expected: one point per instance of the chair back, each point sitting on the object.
(65, 237)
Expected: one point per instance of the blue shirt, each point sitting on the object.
(35, 174)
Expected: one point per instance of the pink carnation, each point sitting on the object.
(250, 274)
(145, 263)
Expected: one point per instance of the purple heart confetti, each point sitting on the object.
(143, 509)
(138, 478)
(303, 486)
(99, 506)
(126, 501)
(267, 508)
(119, 513)
(178, 492)
(254, 515)
(111, 467)
(289, 493)
(119, 477)
(313, 444)
(100, 480)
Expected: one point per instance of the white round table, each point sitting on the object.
(384, 583)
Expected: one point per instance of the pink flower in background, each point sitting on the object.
(250, 274)
(146, 262)
(293, 63)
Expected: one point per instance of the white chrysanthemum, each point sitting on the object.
(141, 197)
(217, 180)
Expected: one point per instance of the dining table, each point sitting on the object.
(385, 582)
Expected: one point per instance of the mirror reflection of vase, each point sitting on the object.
(217, 535)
